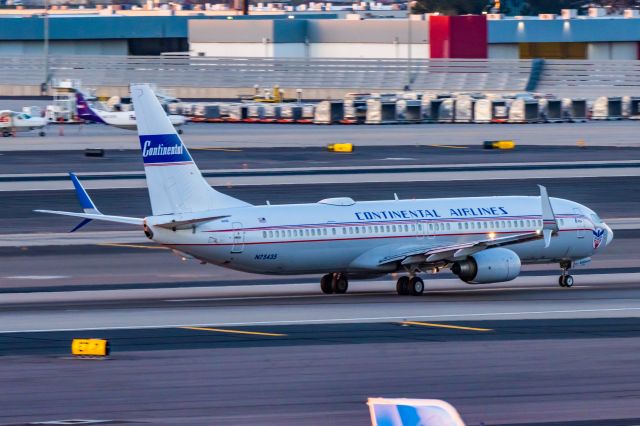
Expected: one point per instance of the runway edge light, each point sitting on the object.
(506, 144)
(90, 347)
(340, 147)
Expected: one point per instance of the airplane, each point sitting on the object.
(482, 240)
(120, 119)
(13, 121)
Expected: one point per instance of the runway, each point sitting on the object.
(197, 344)
(561, 372)
(47, 162)
(242, 135)
(118, 266)
(610, 197)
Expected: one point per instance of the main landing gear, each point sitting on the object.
(410, 285)
(565, 280)
(334, 283)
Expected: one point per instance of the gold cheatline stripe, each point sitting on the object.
(220, 330)
(449, 146)
(132, 246)
(457, 327)
(217, 149)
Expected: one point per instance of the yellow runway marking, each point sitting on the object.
(217, 149)
(221, 330)
(449, 146)
(132, 246)
(456, 327)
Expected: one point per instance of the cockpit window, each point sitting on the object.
(595, 218)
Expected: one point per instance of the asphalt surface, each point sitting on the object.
(546, 355)
(609, 196)
(28, 162)
(562, 372)
(95, 267)
(242, 135)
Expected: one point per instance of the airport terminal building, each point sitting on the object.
(326, 35)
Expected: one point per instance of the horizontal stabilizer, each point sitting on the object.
(185, 224)
(105, 217)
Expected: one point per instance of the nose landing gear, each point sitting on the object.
(565, 280)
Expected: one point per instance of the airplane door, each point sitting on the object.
(579, 223)
(238, 238)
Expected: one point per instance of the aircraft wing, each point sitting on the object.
(449, 252)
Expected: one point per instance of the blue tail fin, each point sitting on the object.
(85, 201)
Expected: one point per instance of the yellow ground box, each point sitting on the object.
(90, 347)
(499, 144)
(340, 147)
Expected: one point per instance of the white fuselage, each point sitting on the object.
(11, 122)
(127, 119)
(338, 236)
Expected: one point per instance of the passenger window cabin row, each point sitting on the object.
(520, 225)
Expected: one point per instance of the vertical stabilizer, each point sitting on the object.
(174, 181)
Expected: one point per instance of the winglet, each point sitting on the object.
(549, 222)
(85, 201)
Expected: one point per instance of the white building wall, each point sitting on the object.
(628, 50)
(504, 51)
(313, 50)
(613, 50)
(236, 50)
(368, 50)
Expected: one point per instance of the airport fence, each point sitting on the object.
(208, 72)
(567, 78)
(416, 107)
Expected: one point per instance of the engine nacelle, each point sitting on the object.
(488, 266)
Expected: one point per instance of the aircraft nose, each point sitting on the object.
(609, 235)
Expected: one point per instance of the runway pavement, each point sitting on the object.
(610, 197)
(561, 372)
(126, 266)
(46, 162)
(197, 344)
(242, 135)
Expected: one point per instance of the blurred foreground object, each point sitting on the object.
(412, 412)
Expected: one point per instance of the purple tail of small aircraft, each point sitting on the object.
(85, 111)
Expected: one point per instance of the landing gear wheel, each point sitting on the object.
(565, 281)
(416, 285)
(42, 134)
(340, 285)
(326, 284)
(6, 134)
(402, 286)
(180, 131)
(568, 281)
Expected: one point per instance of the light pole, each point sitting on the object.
(409, 34)
(46, 48)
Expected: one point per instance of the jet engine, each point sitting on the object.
(488, 266)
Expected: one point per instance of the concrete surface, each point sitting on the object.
(246, 135)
